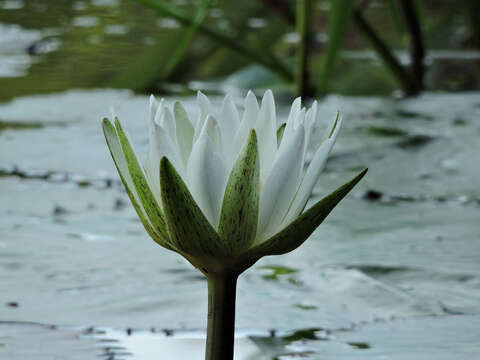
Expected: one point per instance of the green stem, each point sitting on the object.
(304, 11)
(221, 316)
(271, 62)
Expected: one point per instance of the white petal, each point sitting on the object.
(296, 106)
(165, 119)
(266, 129)
(153, 107)
(207, 178)
(281, 185)
(312, 174)
(249, 118)
(160, 145)
(212, 132)
(310, 119)
(156, 107)
(205, 109)
(310, 179)
(229, 123)
(289, 128)
(184, 132)
(297, 121)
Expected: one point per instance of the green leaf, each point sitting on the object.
(280, 132)
(188, 227)
(152, 208)
(239, 215)
(118, 158)
(299, 230)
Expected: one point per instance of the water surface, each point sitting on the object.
(399, 255)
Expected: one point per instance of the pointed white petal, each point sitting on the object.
(207, 178)
(281, 185)
(296, 106)
(310, 119)
(229, 123)
(297, 121)
(165, 119)
(205, 109)
(153, 107)
(212, 132)
(290, 125)
(309, 180)
(249, 119)
(156, 107)
(184, 132)
(266, 129)
(311, 176)
(161, 144)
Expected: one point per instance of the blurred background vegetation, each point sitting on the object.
(307, 47)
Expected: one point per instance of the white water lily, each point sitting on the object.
(231, 188)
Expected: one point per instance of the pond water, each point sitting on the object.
(393, 273)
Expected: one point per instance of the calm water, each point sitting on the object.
(400, 254)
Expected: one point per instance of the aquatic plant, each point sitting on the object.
(224, 193)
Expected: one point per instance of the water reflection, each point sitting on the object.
(128, 45)
(166, 344)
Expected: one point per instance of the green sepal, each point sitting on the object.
(113, 144)
(189, 229)
(239, 214)
(152, 208)
(280, 132)
(300, 229)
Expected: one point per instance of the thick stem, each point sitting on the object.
(221, 316)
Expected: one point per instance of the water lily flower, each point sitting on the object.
(227, 189)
